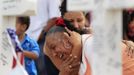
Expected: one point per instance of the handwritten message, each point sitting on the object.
(6, 55)
(10, 4)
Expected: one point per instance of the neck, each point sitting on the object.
(21, 37)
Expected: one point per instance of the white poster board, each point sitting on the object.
(87, 5)
(80, 5)
(7, 53)
(6, 56)
(18, 7)
(118, 4)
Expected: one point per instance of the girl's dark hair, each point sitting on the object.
(24, 20)
(60, 28)
(63, 7)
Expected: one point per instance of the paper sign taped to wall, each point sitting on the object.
(8, 56)
(18, 7)
(80, 5)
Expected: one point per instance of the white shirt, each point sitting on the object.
(85, 68)
(46, 9)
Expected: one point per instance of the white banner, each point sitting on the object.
(7, 57)
(87, 5)
(19, 7)
(80, 5)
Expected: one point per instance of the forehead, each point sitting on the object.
(73, 14)
(54, 37)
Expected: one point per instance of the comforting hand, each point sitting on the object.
(75, 38)
(70, 66)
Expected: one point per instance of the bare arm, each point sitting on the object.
(29, 54)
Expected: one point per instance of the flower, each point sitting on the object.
(60, 22)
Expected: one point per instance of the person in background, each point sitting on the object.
(130, 30)
(128, 54)
(128, 25)
(30, 47)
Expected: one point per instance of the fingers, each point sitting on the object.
(66, 35)
(66, 61)
(68, 31)
(70, 65)
(70, 61)
(75, 65)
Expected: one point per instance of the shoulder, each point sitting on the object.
(86, 37)
(30, 40)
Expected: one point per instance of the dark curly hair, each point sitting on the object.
(63, 7)
(60, 28)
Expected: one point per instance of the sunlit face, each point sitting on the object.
(60, 45)
(20, 29)
(76, 18)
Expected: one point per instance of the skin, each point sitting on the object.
(60, 46)
(131, 28)
(77, 18)
(74, 39)
(55, 56)
(70, 46)
(20, 31)
(79, 21)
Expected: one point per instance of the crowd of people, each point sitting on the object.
(60, 43)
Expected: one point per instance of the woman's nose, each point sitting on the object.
(76, 25)
(58, 49)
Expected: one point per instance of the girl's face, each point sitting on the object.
(59, 46)
(20, 29)
(76, 18)
(131, 28)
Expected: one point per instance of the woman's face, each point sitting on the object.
(76, 18)
(131, 26)
(59, 46)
